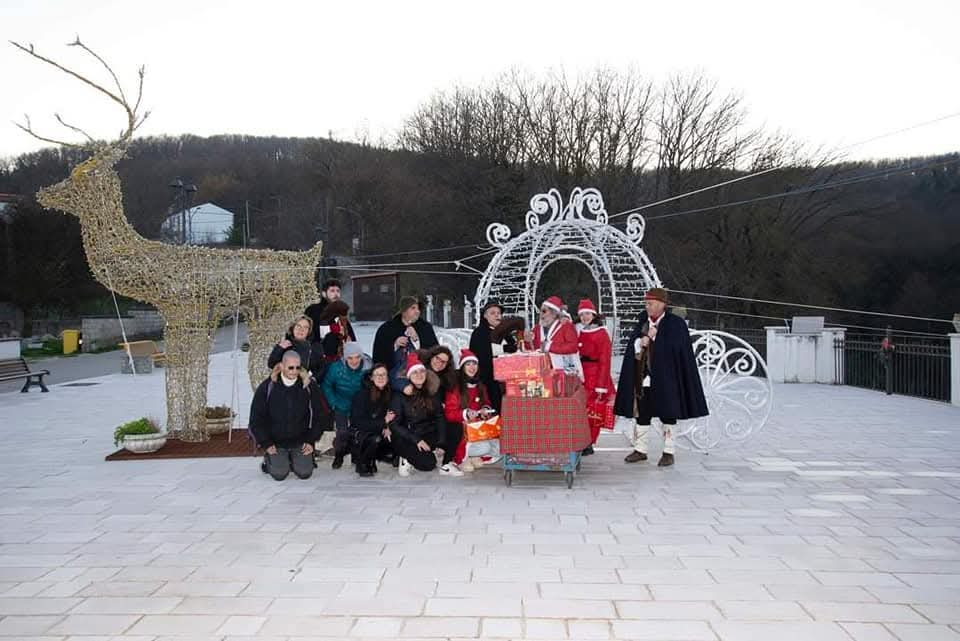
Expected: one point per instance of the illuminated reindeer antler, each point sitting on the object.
(134, 119)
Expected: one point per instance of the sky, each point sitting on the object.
(829, 74)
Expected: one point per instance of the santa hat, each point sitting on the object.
(586, 305)
(467, 356)
(555, 303)
(413, 362)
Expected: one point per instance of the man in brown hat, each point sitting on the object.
(659, 377)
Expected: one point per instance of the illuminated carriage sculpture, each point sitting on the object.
(738, 392)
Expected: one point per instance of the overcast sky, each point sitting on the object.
(831, 73)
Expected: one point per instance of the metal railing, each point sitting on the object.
(914, 366)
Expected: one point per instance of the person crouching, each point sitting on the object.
(287, 416)
(419, 424)
(370, 416)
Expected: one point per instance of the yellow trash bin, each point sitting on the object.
(71, 340)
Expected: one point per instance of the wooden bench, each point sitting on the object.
(12, 369)
(139, 349)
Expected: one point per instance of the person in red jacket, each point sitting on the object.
(596, 352)
(557, 336)
(468, 401)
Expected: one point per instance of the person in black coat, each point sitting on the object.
(287, 416)
(659, 377)
(488, 333)
(299, 339)
(370, 415)
(406, 327)
(419, 426)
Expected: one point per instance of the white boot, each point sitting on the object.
(404, 468)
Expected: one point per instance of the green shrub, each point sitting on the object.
(140, 426)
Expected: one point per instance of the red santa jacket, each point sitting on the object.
(596, 352)
(560, 338)
(476, 398)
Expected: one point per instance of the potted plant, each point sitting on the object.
(140, 436)
(218, 419)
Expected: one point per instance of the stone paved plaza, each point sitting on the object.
(840, 521)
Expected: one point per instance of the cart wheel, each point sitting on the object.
(569, 478)
(508, 477)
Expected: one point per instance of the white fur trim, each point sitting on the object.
(547, 303)
(415, 367)
(586, 309)
(468, 359)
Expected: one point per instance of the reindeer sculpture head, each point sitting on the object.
(67, 194)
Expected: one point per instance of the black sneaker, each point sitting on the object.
(337, 462)
(587, 451)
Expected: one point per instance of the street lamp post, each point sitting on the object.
(359, 218)
(184, 193)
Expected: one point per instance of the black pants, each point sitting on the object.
(423, 461)
(365, 448)
(279, 465)
(342, 442)
(646, 410)
(453, 434)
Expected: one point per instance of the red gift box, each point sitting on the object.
(564, 384)
(522, 366)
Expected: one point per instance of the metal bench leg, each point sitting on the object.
(26, 386)
(43, 388)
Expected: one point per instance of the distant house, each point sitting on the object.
(206, 224)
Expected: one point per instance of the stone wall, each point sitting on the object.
(104, 331)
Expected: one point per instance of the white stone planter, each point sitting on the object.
(144, 443)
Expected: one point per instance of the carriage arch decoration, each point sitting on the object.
(738, 391)
(579, 231)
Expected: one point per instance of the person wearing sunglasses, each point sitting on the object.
(287, 416)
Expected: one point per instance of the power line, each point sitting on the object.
(786, 322)
(806, 190)
(766, 171)
(807, 306)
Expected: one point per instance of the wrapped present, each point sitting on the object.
(564, 383)
(483, 430)
(522, 366)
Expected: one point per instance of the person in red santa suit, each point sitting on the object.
(468, 402)
(557, 336)
(596, 352)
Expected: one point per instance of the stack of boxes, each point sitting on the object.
(531, 375)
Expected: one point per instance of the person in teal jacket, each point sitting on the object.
(341, 383)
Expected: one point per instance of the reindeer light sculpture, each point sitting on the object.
(191, 287)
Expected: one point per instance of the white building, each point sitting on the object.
(206, 224)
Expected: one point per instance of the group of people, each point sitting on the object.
(407, 403)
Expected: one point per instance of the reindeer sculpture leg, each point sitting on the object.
(262, 328)
(188, 341)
